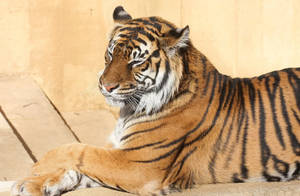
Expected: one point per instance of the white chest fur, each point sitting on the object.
(116, 135)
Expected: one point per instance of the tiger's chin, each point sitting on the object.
(115, 102)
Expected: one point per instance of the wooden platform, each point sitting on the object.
(30, 125)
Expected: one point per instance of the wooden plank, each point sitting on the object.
(6, 186)
(92, 127)
(32, 115)
(12, 153)
(4, 194)
(240, 189)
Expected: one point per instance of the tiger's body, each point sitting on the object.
(182, 123)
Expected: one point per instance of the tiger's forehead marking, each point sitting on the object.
(143, 30)
(139, 46)
(139, 37)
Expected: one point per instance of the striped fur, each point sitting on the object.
(182, 123)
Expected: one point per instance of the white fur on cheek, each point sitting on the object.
(155, 100)
(100, 73)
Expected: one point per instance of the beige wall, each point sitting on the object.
(62, 42)
(14, 36)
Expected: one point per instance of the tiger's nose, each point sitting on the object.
(110, 87)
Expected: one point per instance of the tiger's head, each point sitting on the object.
(143, 66)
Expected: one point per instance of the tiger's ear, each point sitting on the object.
(120, 15)
(176, 38)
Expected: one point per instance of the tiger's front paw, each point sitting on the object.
(27, 187)
(53, 184)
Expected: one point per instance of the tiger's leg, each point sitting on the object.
(76, 166)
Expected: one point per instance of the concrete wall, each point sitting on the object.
(14, 36)
(62, 42)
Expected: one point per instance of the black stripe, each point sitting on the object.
(148, 35)
(170, 166)
(140, 30)
(143, 146)
(270, 178)
(132, 63)
(134, 54)
(132, 29)
(190, 182)
(141, 40)
(174, 185)
(138, 78)
(281, 166)
(183, 52)
(153, 31)
(241, 108)
(146, 67)
(157, 65)
(125, 35)
(132, 23)
(252, 98)
(244, 169)
(230, 152)
(230, 129)
(121, 189)
(101, 183)
(220, 82)
(206, 84)
(163, 156)
(126, 89)
(231, 91)
(181, 163)
(235, 179)
(135, 46)
(272, 97)
(115, 189)
(293, 138)
(154, 19)
(146, 22)
(181, 93)
(155, 53)
(204, 63)
(152, 80)
(181, 182)
(125, 137)
(265, 150)
(165, 77)
(296, 116)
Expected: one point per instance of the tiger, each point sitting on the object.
(181, 124)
